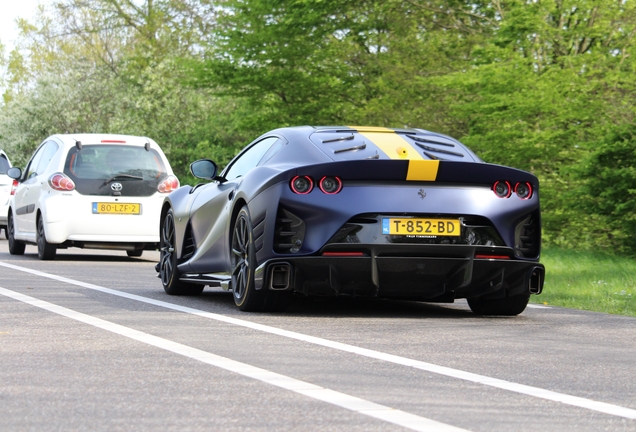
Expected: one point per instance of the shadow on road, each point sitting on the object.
(84, 257)
(340, 307)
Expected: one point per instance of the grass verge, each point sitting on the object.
(589, 281)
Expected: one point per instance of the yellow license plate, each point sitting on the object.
(421, 227)
(116, 208)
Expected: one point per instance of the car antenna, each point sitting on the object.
(78, 144)
(147, 146)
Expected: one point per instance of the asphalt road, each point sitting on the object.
(91, 342)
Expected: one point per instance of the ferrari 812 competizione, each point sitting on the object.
(355, 211)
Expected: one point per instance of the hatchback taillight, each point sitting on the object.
(59, 181)
(14, 186)
(168, 184)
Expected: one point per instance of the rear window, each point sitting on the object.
(95, 167)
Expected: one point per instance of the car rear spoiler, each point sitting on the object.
(418, 170)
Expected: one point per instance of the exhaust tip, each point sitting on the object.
(280, 277)
(535, 280)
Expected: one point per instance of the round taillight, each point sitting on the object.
(523, 190)
(301, 185)
(330, 185)
(502, 189)
(59, 181)
(168, 184)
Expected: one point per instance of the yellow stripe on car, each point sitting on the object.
(396, 147)
(362, 129)
(422, 170)
(392, 144)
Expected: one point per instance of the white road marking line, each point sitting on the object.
(537, 392)
(352, 403)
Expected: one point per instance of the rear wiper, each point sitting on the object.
(122, 177)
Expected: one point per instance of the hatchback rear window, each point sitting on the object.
(95, 166)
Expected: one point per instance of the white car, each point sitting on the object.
(93, 191)
(6, 184)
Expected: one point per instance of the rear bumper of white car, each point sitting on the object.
(72, 219)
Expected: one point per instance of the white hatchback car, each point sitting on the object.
(91, 191)
(6, 184)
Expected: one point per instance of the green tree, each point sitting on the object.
(608, 192)
(552, 80)
(334, 62)
(112, 66)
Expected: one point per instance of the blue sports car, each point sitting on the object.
(355, 211)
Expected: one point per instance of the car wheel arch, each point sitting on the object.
(46, 250)
(164, 210)
(238, 204)
(178, 235)
(38, 215)
(11, 214)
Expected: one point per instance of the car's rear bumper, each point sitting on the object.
(73, 220)
(418, 272)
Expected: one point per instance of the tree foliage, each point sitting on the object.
(542, 85)
(111, 66)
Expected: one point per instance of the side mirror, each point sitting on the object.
(204, 169)
(15, 173)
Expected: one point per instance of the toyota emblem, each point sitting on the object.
(116, 187)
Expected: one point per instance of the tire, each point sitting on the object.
(15, 247)
(168, 272)
(243, 259)
(507, 306)
(46, 250)
(135, 253)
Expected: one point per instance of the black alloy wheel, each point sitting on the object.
(243, 260)
(16, 247)
(507, 306)
(168, 272)
(46, 250)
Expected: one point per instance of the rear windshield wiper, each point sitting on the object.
(122, 177)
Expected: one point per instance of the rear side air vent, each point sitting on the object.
(289, 233)
(527, 237)
(188, 244)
